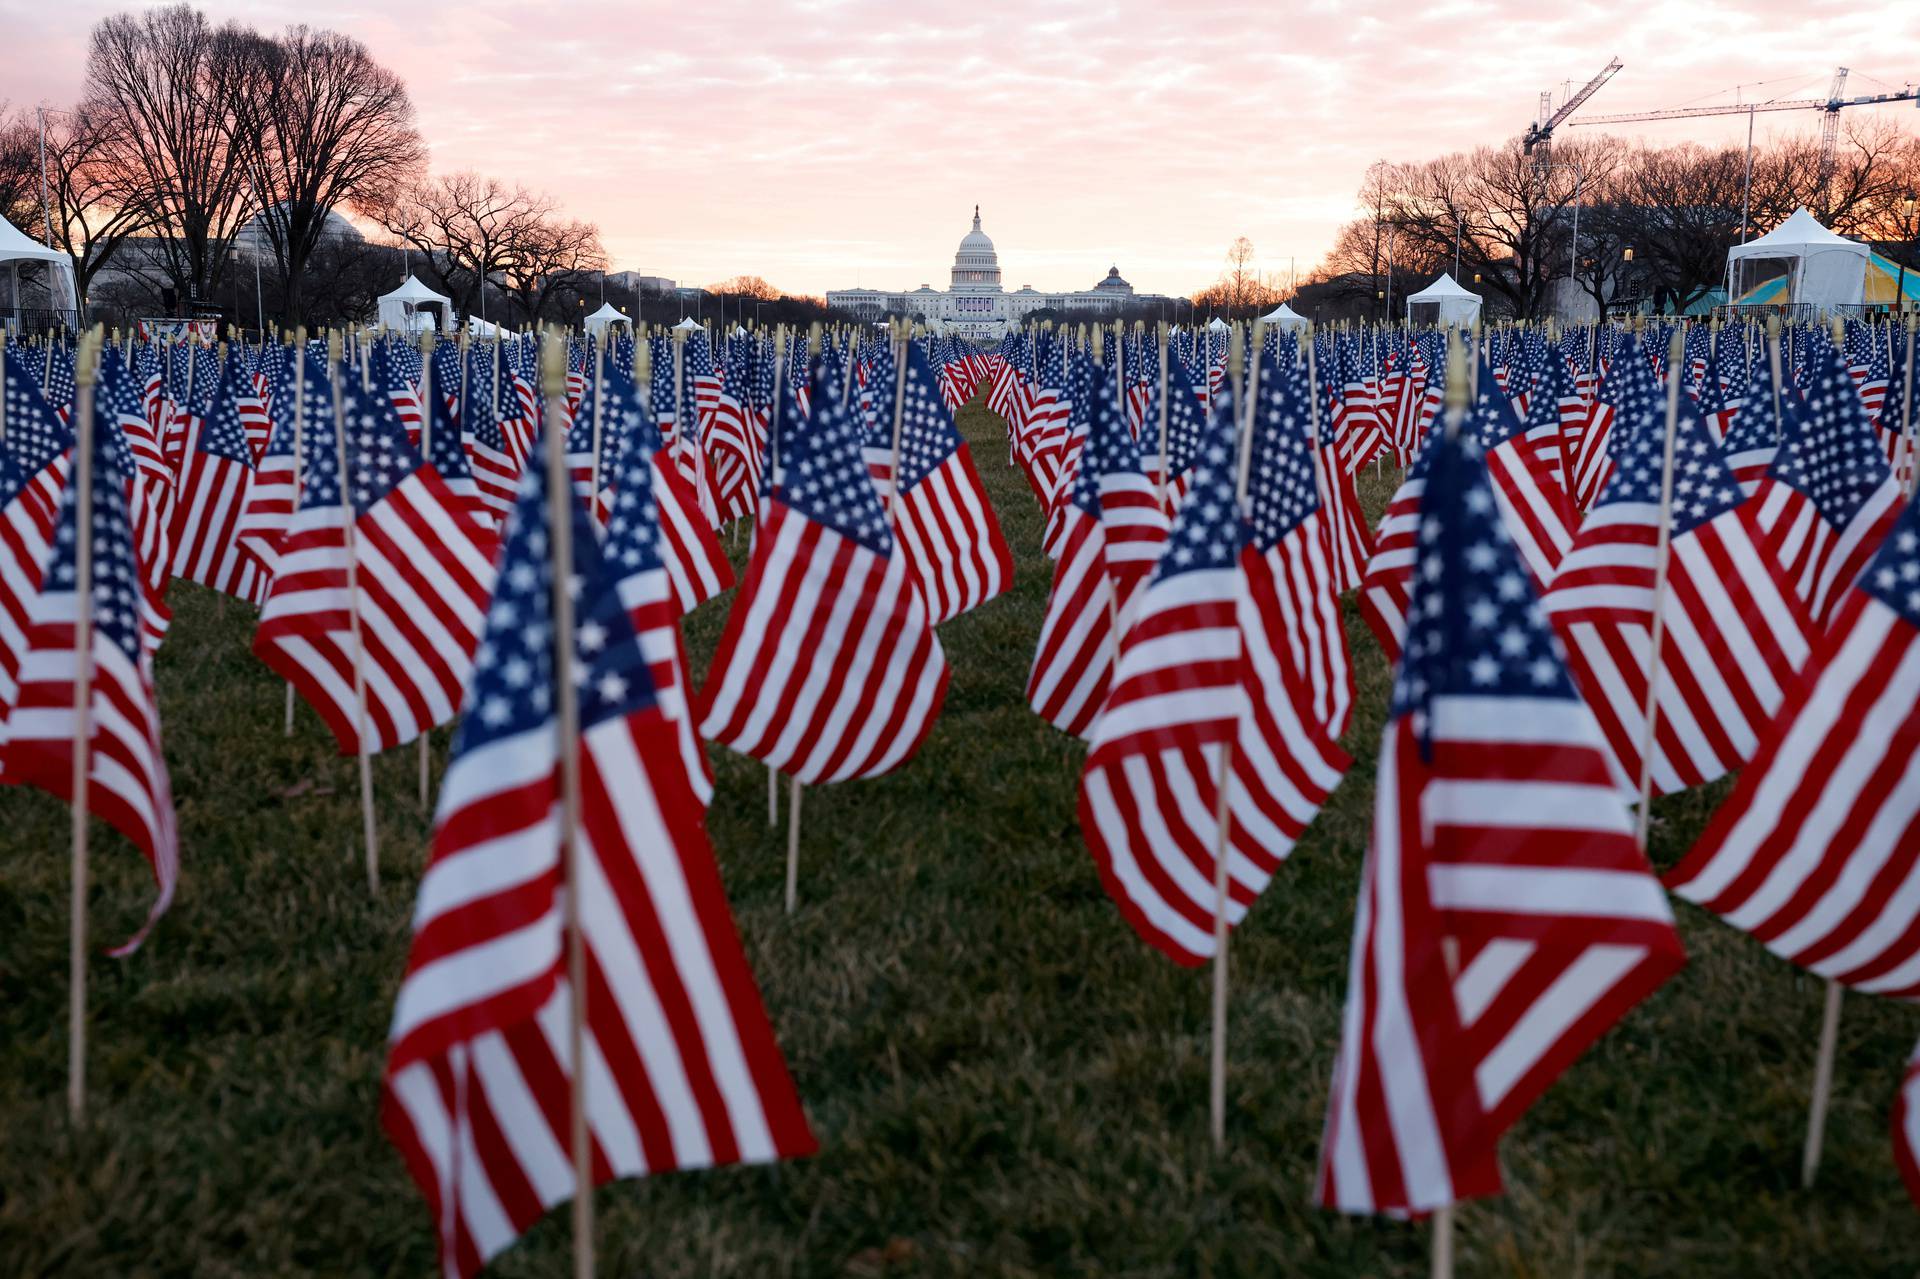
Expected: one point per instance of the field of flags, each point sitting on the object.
(1617, 564)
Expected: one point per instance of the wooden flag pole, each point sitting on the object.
(1662, 553)
(1161, 338)
(299, 444)
(1773, 362)
(553, 380)
(1223, 795)
(82, 730)
(773, 453)
(368, 830)
(1829, 1019)
(1906, 411)
(599, 389)
(426, 453)
(793, 783)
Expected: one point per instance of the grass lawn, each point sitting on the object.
(1003, 1079)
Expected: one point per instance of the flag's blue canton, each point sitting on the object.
(109, 389)
(1109, 449)
(206, 384)
(512, 687)
(1550, 386)
(1828, 450)
(482, 413)
(878, 412)
(116, 578)
(446, 371)
(61, 388)
(1893, 575)
(1639, 405)
(1894, 409)
(699, 354)
(627, 417)
(444, 450)
(34, 435)
(1491, 417)
(1873, 355)
(1703, 488)
(1281, 491)
(823, 475)
(224, 436)
(580, 427)
(927, 435)
(1186, 421)
(146, 363)
(117, 393)
(1208, 531)
(1473, 624)
(633, 525)
(378, 454)
(761, 394)
(660, 392)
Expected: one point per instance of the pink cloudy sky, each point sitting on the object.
(832, 142)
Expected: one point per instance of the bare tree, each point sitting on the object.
(549, 258)
(94, 209)
(161, 84)
(320, 125)
(465, 229)
(19, 172)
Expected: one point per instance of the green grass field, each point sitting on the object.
(1003, 1079)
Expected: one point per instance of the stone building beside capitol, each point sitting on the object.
(974, 305)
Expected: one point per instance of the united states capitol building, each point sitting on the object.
(974, 305)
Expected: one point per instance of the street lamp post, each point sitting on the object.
(1913, 235)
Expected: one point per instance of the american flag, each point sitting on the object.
(1291, 578)
(447, 454)
(1523, 461)
(1829, 496)
(35, 456)
(724, 434)
(1170, 469)
(117, 410)
(1814, 851)
(127, 785)
(636, 548)
(828, 668)
(684, 1068)
(696, 564)
(1189, 685)
(1751, 440)
(393, 374)
(1506, 917)
(1354, 416)
(940, 514)
(1112, 532)
(302, 395)
(1349, 541)
(1734, 634)
(421, 582)
(495, 460)
(212, 493)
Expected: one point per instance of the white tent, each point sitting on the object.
(1217, 324)
(1285, 317)
(1443, 302)
(55, 267)
(1820, 269)
(607, 315)
(409, 308)
(484, 329)
(689, 325)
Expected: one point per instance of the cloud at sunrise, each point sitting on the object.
(844, 142)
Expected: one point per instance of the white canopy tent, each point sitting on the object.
(409, 308)
(688, 325)
(1443, 302)
(603, 319)
(55, 269)
(1818, 268)
(1285, 317)
(1217, 324)
(485, 329)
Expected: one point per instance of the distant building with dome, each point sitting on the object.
(975, 305)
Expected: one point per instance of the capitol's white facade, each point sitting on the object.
(974, 305)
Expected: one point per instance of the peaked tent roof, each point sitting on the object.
(1798, 235)
(414, 291)
(1444, 287)
(16, 244)
(689, 325)
(1285, 316)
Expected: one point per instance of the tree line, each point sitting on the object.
(210, 168)
(1508, 220)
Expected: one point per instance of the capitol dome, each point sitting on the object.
(976, 267)
(1113, 283)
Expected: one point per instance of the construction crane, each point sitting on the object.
(1832, 105)
(1538, 140)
